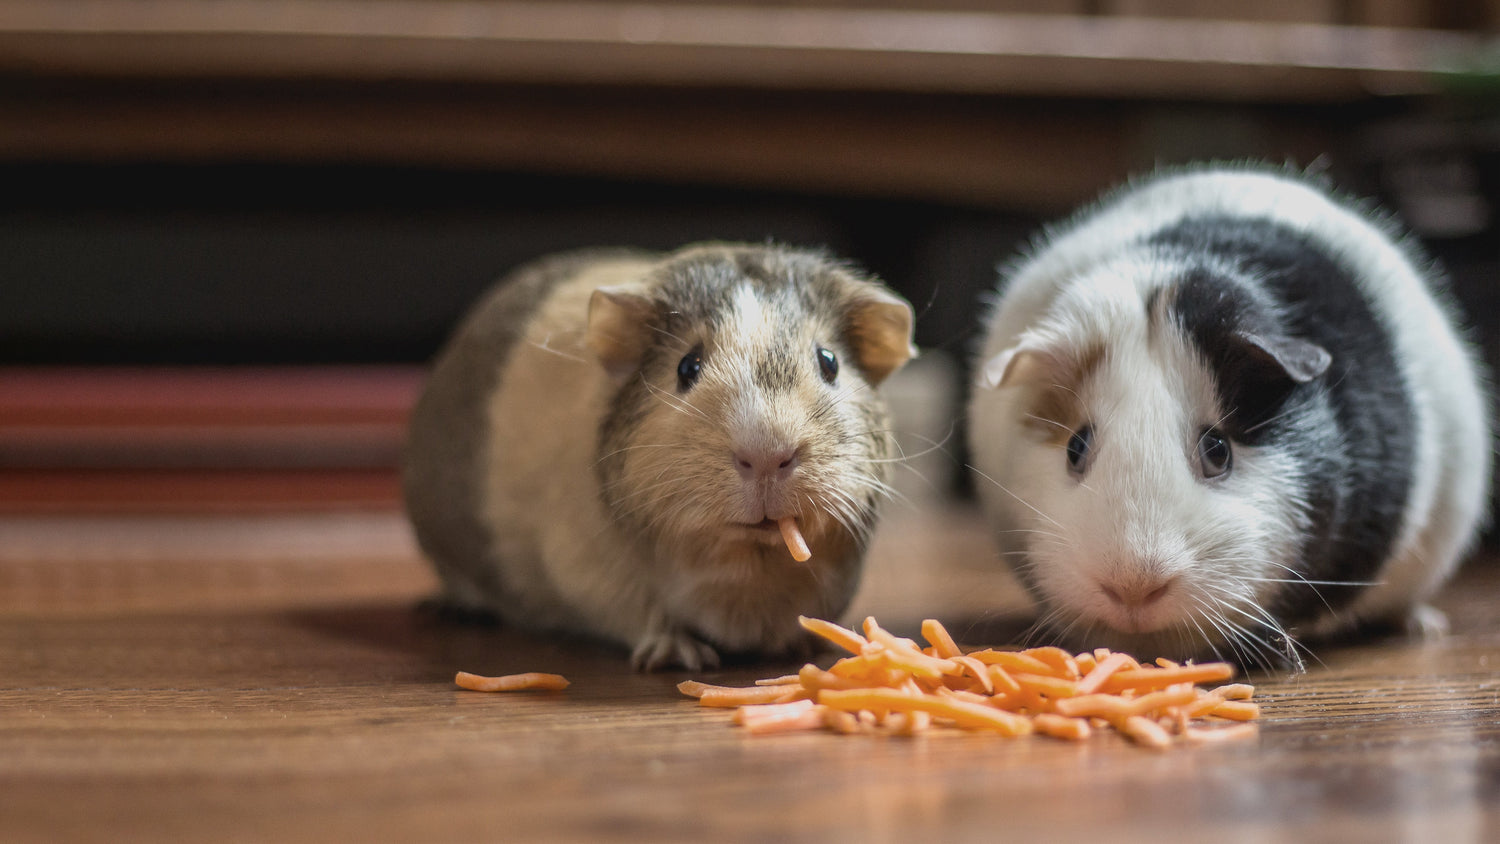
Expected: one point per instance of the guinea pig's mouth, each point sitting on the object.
(787, 530)
(766, 531)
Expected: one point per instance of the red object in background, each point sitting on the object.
(101, 439)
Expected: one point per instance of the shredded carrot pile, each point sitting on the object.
(891, 684)
(511, 682)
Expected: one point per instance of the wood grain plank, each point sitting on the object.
(792, 46)
(333, 718)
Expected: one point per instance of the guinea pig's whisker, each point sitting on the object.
(1246, 646)
(1046, 621)
(545, 345)
(674, 402)
(1297, 577)
(1263, 620)
(916, 473)
(1217, 423)
(852, 514)
(648, 500)
(1242, 603)
(1306, 582)
(819, 500)
(636, 447)
(1056, 538)
(1054, 423)
(952, 429)
(932, 447)
(644, 503)
(881, 488)
(1029, 635)
(665, 333)
(1289, 570)
(837, 514)
(1050, 623)
(1220, 613)
(1018, 498)
(849, 392)
(844, 508)
(1070, 391)
(1282, 415)
(1188, 644)
(828, 406)
(1264, 650)
(876, 488)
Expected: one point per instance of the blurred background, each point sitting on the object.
(233, 232)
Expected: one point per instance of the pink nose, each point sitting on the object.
(757, 464)
(1137, 594)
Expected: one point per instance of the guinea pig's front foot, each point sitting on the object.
(1426, 622)
(669, 647)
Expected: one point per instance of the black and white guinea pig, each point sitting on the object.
(635, 446)
(1223, 411)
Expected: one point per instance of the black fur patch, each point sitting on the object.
(1352, 428)
(776, 370)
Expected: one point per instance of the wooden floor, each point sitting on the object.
(266, 678)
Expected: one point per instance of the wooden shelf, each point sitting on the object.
(961, 102)
(764, 46)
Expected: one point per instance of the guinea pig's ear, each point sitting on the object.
(1297, 359)
(1022, 363)
(619, 328)
(880, 330)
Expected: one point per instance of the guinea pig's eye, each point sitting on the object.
(1214, 454)
(828, 362)
(1080, 445)
(689, 368)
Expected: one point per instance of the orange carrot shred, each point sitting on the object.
(937, 636)
(841, 636)
(511, 682)
(1102, 671)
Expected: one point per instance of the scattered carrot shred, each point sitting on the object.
(510, 682)
(732, 697)
(1061, 726)
(1146, 732)
(1207, 735)
(1237, 710)
(1147, 679)
(841, 636)
(892, 685)
(1103, 669)
(942, 643)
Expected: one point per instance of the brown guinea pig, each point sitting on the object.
(633, 446)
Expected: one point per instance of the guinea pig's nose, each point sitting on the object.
(1139, 593)
(755, 464)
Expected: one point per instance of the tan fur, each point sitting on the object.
(609, 499)
(1054, 409)
(550, 390)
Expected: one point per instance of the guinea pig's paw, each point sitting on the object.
(667, 648)
(1426, 622)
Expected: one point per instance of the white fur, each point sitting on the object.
(1144, 503)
